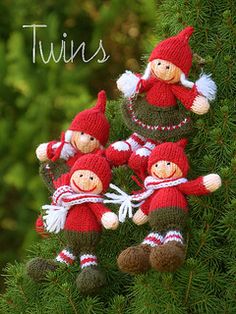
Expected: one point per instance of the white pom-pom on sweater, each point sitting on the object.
(206, 86)
(127, 83)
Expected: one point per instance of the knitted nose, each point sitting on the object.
(84, 139)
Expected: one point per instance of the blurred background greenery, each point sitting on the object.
(39, 100)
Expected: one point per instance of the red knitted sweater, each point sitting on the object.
(174, 196)
(85, 217)
(162, 94)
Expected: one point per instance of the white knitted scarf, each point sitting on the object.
(126, 201)
(62, 200)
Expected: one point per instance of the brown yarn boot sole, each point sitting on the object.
(134, 259)
(167, 257)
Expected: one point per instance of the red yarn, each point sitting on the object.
(93, 121)
(175, 50)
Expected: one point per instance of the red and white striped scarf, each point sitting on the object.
(126, 201)
(62, 200)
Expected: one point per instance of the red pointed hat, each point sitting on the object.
(173, 152)
(96, 163)
(176, 50)
(92, 121)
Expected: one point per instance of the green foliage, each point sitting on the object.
(35, 111)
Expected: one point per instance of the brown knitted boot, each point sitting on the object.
(90, 280)
(167, 257)
(134, 259)
(37, 268)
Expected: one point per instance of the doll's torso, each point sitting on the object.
(160, 94)
(81, 218)
(168, 197)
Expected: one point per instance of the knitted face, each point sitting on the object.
(84, 142)
(164, 169)
(86, 181)
(165, 71)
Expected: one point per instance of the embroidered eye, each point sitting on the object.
(91, 138)
(159, 63)
(156, 165)
(168, 163)
(91, 178)
(167, 67)
(81, 176)
(82, 133)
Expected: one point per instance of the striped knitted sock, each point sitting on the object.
(65, 256)
(173, 235)
(153, 239)
(87, 260)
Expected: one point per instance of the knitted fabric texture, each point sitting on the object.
(173, 152)
(93, 121)
(156, 123)
(175, 50)
(97, 164)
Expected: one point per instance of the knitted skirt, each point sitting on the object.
(159, 124)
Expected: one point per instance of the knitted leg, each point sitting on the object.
(119, 152)
(171, 255)
(171, 222)
(90, 278)
(153, 239)
(135, 259)
(66, 256)
(139, 159)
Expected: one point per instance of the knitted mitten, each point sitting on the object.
(118, 153)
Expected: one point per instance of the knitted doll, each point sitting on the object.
(165, 206)
(150, 108)
(88, 132)
(77, 209)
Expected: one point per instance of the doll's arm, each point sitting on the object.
(139, 217)
(54, 150)
(202, 185)
(108, 219)
(130, 83)
(191, 99)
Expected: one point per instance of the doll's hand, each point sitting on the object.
(110, 220)
(140, 218)
(127, 83)
(41, 152)
(200, 105)
(212, 182)
(67, 151)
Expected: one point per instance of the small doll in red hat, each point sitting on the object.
(150, 108)
(164, 206)
(78, 210)
(87, 133)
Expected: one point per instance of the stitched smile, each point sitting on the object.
(165, 177)
(82, 189)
